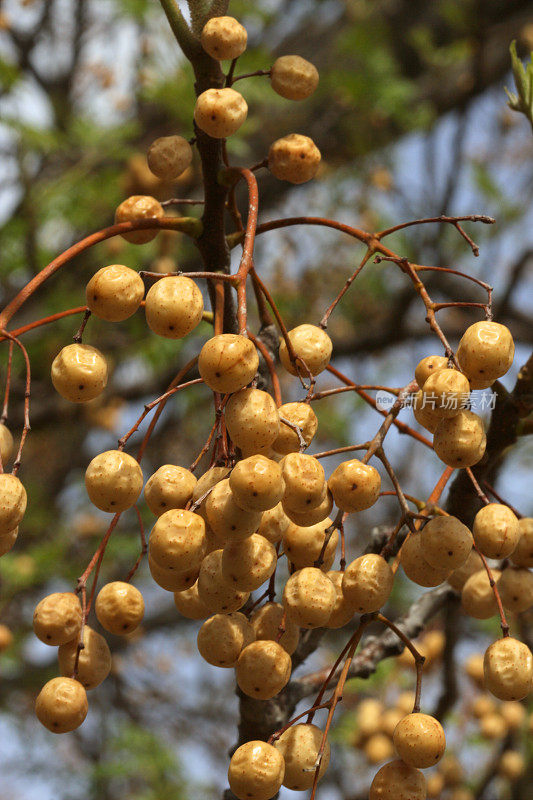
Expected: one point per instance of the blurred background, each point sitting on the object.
(411, 120)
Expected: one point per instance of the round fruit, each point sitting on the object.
(220, 112)
(228, 362)
(223, 38)
(513, 713)
(312, 516)
(293, 77)
(343, 609)
(419, 740)
(169, 156)
(222, 638)
(170, 487)
(516, 589)
(301, 415)
(459, 577)
(178, 541)
(460, 441)
(512, 765)
(267, 620)
(252, 420)
(485, 352)
(508, 669)
(428, 366)
(446, 392)
(6, 444)
(57, 618)
(378, 748)
(263, 669)
(367, 583)
(423, 412)
(214, 590)
(189, 604)
(309, 343)
(174, 306)
(415, 565)
(299, 746)
(398, 781)
(446, 543)
(7, 540)
(170, 579)
(248, 563)
(256, 771)
(226, 518)
(205, 483)
(94, 663)
(296, 159)
(522, 555)
(61, 705)
(79, 373)
(309, 597)
(274, 524)
(303, 546)
(477, 596)
(256, 483)
(496, 531)
(13, 500)
(305, 482)
(355, 486)
(113, 481)
(119, 607)
(139, 208)
(114, 293)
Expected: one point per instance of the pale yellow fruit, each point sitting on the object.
(428, 366)
(178, 541)
(446, 391)
(114, 293)
(274, 523)
(305, 482)
(378, 748)
(189, 604)
(214, 590)
(13, 501)
(512, 765)
(248, 563)
(299, 746)
(483, 705)
(514, 714)
(294, 158)
(263, 669)
(205, 483)
(174, 306)
(516, 589)
(170, 487)
(7, 540)
(170, 579)
(139, 208)
(434, 643)
(459, 577)
(485, 352)
(355, 486)
(252, 420)
(460, 441)
(343, 610)
(61, 705)
(435, 785)
(222, 638)
(256, 483)
(309, 343)
(419, 740)
(6, 444)
(492, 726)
(474, 669)
(266, 621)
(114, 481)
(304, 545)
(6, 638)
(220, 112)
(446, 543)
(309, 597)
(293, 77)
(496, 531)
(94, 663)
(228, 362)
(522, 555)
(312, 516)
(367, 583)
(300, 414)
(369, 715)
(424, 414)
(415, 565)
(79, 373)
(405, 702)
(256, 771)
(57, 618)
(224, 38)
(119, 607)
(508, 669)
(169, 156)
(477, 596)
(390, 719)
(226, 518)
(398, 781)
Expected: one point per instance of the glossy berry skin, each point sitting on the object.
(305, 482)
(311, 344)
(13, 501)
(427, 366)
(446, 391)
(220, 112)
(398, 781)
(222, 638)
(266, 621)
(228, 362)
(170, 487)
(355, 486)
(113, 481)
(114, 293)
(226, 518)
(508, 669)
(477, 597)
(178, 541)
(174, 306)
(300, 414)
(189, 604)
(252, 421)
(256, 483)
(224, 38)
(294, 158)
(119, 607)
(169, 156)
(496, 530)
(415, 565)
(57, 618)
(263, 669)
(79, 373)
(460, 441)
(309, 597)
(94, 663)
(446, 543)
(299, 746)
(293, 77)
(522, 555)
(485, 352)
(61, 705)
(248, 563)
(139, 208)
(256, 771)
(367, 583)
(311, 516)
(419, 740)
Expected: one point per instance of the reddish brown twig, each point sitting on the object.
(418, 657)
(144, 547)
(27, 394)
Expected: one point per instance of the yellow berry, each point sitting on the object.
(215, 592)
(266, 621)
(508, 669)
(419, 740)
(178, 541)
(303, 546)
(305, 482)
(293, 77)
(174, 306)
(114, 293)
(477, 596)
(224, 38)
(309, 597)
(113, 481)
(13, 500)
(446, 542)
(300, 414)
(226, 518)
(398, 781)
(355, 486)
(309, 343)
(189, 604)
(485, 352)
(522, 555)
(119, 607)
(228, 362)
(263, 669)
(256, 483)
(222, 638)
(170, 487)
(248, 563)
(299, 746)
(252, 420)
(460, 441)
(169, 156)
(294, 158)
(94, 663)
(367, 583)
(79, 373)
(256, 771)
(139, 208)
(220, 112)
(496, 531)
(57, 618)
(415, 565)
(61, 705)
(428, 366)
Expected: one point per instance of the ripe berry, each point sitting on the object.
(459, 577)
(7, 540)
(343, 610)
(79, 373)
(398, 781)
(378, 748)
(522, 555)
(224, 38)
(61, 705)
(419, 740)
(169, 156)
(305, 482)
(309, 597)
(13, 500)
(222, 638)
(170, 487)
(513, 713)
(94, 663)
(263, 669)
(114, 293)
(170, 579)
(274, 523)
(139, 208)
(294, 158)
(266, 621)
(512, 765)
(355, 486)
(424, 414)
(492, 727)
(220, 112)
(474, 669)
(496, 531)
(303, 546)
(189, 604)
(300, 414)
(446, 543)
(293, 77)
(174, 306)
(428, 366)
(309, 343)
(299, 746)
(446, 392)
(256, 483)
(57, 618)
(252, 420)
(508, 669)
(6, 444)
(214, 590)
(367, 583)
(516, 589)
(119, 607)
(113, 481)
(460, 441)
(248, 563)
(369, 716)
(312, 516)
(485, 352)
(256, 771)
(228, 362)
(226, 518)
(205, 483)
(415, 565)
(178, 541)
(477, 597)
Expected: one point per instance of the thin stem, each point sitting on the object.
(418, 657)
(325, 319)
